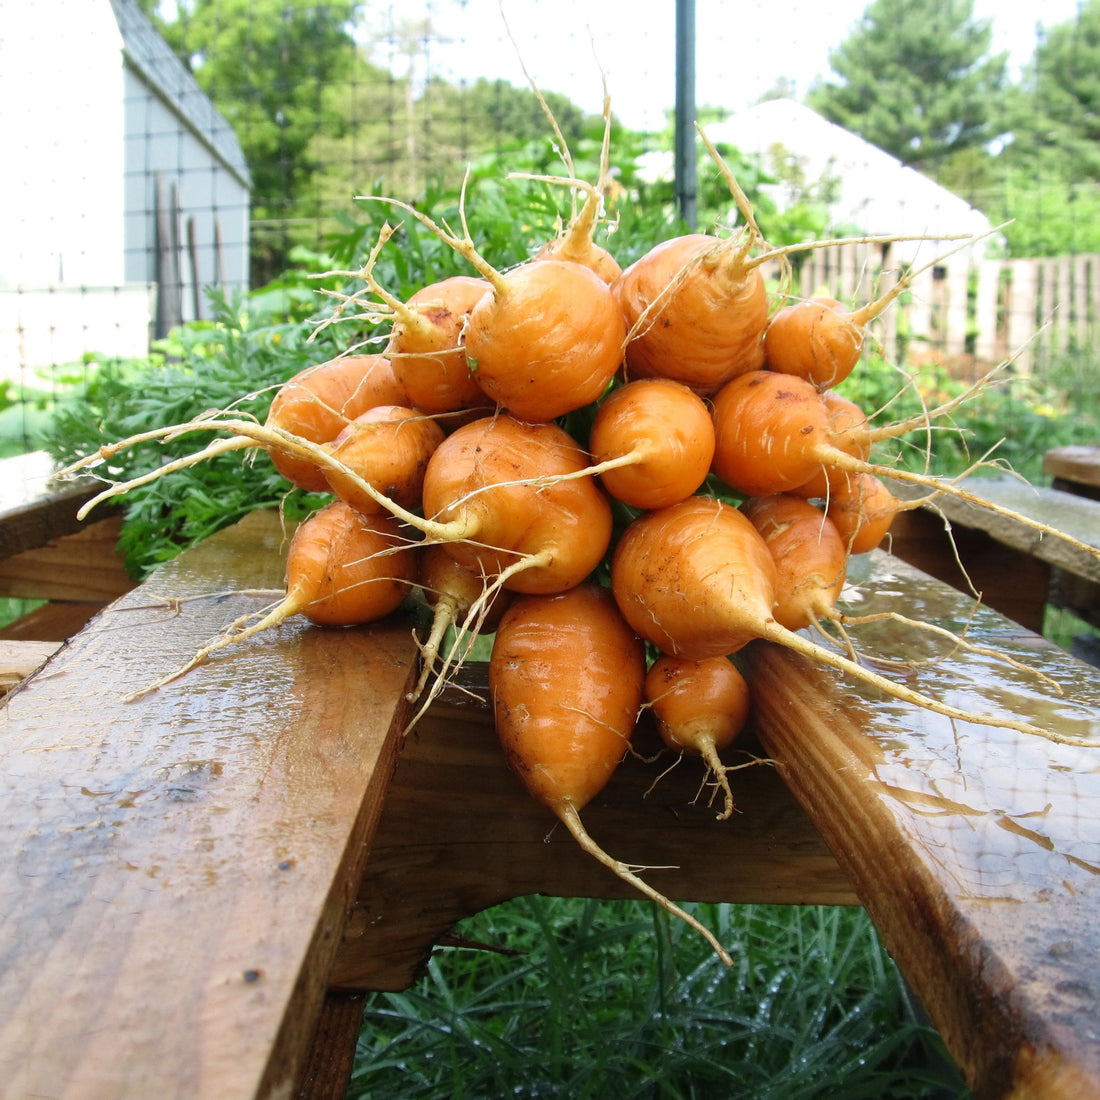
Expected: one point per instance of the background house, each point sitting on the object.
(125, 191)
(871, 192)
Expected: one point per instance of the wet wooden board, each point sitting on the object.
(975, 850)
(18, 660)
(176, 870)
(79, 567)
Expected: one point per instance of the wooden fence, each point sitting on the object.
(968, 315)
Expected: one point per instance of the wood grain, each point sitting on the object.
(975, 850)
(176, 870)
(1074, 468)
(82, 566)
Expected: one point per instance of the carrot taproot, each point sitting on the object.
(342, 569)
(696, 309)
(319, 402)
(700, 707)
(457, 598)
(652, 441)
(388, 447)
(810, 557)
(697, 580)
(524, 496)
(565, 678)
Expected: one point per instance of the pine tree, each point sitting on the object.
(1057, 118)
(916, 79)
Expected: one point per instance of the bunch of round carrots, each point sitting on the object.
(713, 498)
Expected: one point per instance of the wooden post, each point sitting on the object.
(1021, 313)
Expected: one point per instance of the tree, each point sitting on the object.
(1056, 115)
(917, 80)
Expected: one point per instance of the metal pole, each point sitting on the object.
(685, 112)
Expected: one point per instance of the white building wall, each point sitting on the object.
(61, 194)
(162, 152)
(85, 140)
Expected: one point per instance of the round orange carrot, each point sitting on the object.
(565, 737)
(546, 340)
(814, 339)
(773, 433)
(662, 437)
(427, 350)
(522, 493)
(862, 509)
(318, 403)
(810, 557)
(700, 708)
(696, 310)
(566, 678)
(388, 447)
(342, 569)
(694, 561)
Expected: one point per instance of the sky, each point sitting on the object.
(743, 48)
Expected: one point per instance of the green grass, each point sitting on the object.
(616, 999)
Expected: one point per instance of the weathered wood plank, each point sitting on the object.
(1076, 466)
(82, 566)
(176, 870)
(459, 834)
(34, 508)
(331, 1055)
(1076, 516)
(975, 850)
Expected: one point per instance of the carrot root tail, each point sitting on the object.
(569, 816)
